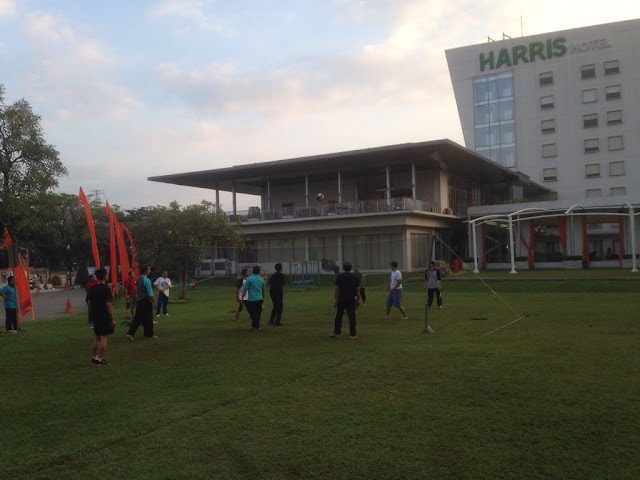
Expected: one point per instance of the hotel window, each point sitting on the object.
(591, 145)
(549, 126)
(616, 191)
(616, 143)
(612, 67)
(594, 193)
(590, 120)
(614, 117)
(616, 169)
(588, 71)
(546, 79)
(549, 150)
(590, 96)
(613, 91)
(494, 117)
(550, 174)
(592, 170)
(547, 102)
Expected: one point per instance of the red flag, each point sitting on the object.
(7, 238)
(92, 230)
(122, 252)
(22, 285)
(134, 255)
(113, 274)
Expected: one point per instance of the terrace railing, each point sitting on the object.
(322, 209)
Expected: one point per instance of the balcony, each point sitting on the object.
(364, 207)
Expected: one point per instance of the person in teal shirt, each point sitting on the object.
(254, 286)
(8, 292)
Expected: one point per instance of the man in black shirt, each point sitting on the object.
(346, 297)
(99, 300)
(276, 290)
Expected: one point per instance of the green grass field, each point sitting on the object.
(554, 396)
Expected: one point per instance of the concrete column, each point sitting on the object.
(388, 189)
(339, 187)
(217, 197)
(268, 199)
(233, 193)
(306, 190)
(413, 181)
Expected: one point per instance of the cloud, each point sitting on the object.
(7, 8)
(190, 11)
(47, 26)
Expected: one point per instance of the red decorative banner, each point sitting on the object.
(135, 266)
(22, 285)
(92, 230)
(122, 251)
(113, 274)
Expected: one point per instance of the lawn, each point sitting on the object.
(555, 395)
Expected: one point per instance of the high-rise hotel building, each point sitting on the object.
(562, 108)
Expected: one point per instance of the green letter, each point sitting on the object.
(549, 50)
(536, 49)
(503, 58)
(519, 53)
(484, 61)
(560, 47)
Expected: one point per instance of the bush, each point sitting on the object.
(55, 281)
(444, 267)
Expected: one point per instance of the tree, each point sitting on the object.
(29, 166)
(173, 238)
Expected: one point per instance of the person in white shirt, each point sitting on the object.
(395, 291)
(162, 284)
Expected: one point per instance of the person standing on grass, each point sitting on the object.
(163, 284)
(433, 284)
(346, 296)
(241, 298)
(395, 291)
(100, 299)
(276, 291)
(254, 286)
(8, 292)
(129, 297)
(360, 276)
(144, 306)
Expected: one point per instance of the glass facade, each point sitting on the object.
(494, 118)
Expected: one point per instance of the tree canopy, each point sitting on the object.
(29, 166)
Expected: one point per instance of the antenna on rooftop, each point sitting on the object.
(489, 39)
(505, 36)
(521, 27)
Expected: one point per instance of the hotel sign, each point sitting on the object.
(552, 47)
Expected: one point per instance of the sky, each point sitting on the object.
(132, 89)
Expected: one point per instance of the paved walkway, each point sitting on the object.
(50, 304)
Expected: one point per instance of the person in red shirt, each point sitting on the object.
(130, 297)
(87, 286)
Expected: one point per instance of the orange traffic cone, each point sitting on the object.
(68, 309)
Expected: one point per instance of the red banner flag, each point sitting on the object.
(7, 238)
(122, 252)
(113, 273)
(135, 266)
(92, 230)
(22, 285)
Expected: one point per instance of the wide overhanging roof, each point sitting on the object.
(432, 155)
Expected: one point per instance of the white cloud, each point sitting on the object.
(7, 8)
(190, 11)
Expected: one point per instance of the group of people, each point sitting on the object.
(140, 301)
(349, 292)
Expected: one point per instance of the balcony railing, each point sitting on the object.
(255, 214)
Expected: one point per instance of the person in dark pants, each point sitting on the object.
(254, 287)
(8, 292)
(99, 300)
(433, 285)
(276, 291)
(346, 297)
(145, 302)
